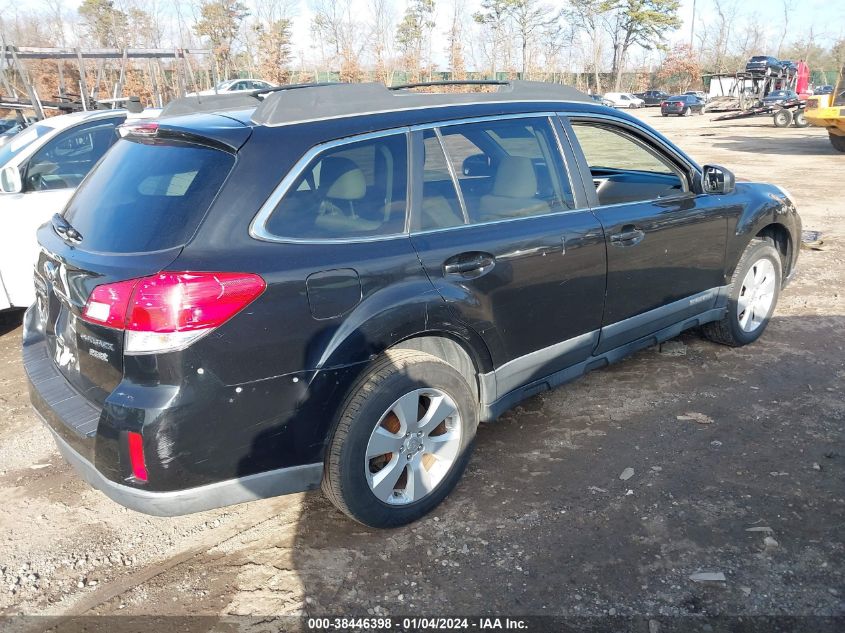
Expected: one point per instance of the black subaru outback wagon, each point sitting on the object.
(336, 284)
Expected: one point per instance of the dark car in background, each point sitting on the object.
(764, 65)
(682, 105)
(652, 97)
(219, 321)
(823, 90)
(776, 97)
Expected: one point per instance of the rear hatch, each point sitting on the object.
(129, 219)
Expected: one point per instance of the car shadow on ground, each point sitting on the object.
(778, 144)
(727, 446)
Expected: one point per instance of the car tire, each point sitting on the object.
(686, 111)
(838, 142)
(386, 409)
(752, 296)
(799, 120)
(782, 118)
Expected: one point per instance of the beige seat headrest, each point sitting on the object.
(515, 178)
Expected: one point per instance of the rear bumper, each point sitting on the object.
(178, 502)
(86, 437)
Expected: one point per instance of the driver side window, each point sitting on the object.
(64, 161)
(623, 168)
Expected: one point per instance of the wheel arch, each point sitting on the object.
(454, 352)
(782, 239)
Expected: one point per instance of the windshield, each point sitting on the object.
(21, 141)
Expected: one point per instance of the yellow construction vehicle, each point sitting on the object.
(828, 111)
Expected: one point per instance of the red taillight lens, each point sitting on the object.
(178, 302)
(172, 309)
(136, 455)
(663, 103)
(109, 304)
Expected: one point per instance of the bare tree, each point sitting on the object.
(493, 17)
(383, 21)
(413, 36)
(529, 17)
(455, 46)
(588, 15)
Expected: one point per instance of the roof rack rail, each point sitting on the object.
(452, 82)
(222, 101)
(321, 84)
(342, 100)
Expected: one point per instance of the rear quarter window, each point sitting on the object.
(147, 195)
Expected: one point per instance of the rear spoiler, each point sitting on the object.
(209, 103)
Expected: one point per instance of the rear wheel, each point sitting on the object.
(838, 142)
(799, 120)
(782, 118)
(402, 441)
(753, 295)
(686, 111)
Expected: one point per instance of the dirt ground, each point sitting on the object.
(738, 467)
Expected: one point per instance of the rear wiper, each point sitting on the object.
(64, 229)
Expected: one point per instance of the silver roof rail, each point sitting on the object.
(319, 102)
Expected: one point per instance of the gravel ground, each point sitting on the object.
(602, 497)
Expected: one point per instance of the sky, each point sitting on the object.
(826, 17)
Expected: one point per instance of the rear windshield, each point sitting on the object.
(147, 195)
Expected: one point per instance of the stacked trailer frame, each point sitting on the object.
(13, 58)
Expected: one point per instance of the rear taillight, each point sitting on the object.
(663, 103)
(171, 310)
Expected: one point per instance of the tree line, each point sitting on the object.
(596, 44)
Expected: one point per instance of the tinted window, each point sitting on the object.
(508, 168)
(625, 169)
(440, 206)
(65, 160)
(147, 196)
(353, 190)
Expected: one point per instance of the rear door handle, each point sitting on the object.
(628, 236)
(469, 265)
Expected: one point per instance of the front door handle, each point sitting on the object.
(469, 265)
(628, 236)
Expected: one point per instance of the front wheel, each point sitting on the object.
(753, 295)
(402, 441)
(838, 142)
(799, 120)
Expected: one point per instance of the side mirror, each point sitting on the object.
(717, 179)
(10, 180)
(476, 165)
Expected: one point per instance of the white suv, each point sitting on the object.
(624, 100)
(40, 168)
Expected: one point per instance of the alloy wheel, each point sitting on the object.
(756, 295)
(413, 447)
